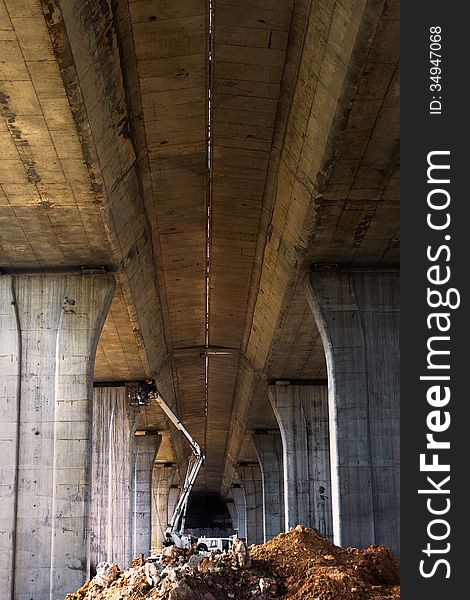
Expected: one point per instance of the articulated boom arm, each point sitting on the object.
(195, 463)
(179, 515)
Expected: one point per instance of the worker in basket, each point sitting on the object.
(145, 388)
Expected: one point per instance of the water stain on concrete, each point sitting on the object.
(22, 144)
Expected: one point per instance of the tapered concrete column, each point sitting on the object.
(163, 476)
(112, 472)
(238, 495)
(146, 448)
(302, 414)
(250, 476)
(232, 510)
(268, 445)
(173, 496)
(50, 326)
(357, 314)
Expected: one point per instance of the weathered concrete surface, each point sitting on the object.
(331, 190)
(358, 317)
(232, 510)
(268, 445)
(163, 476)
(302, 413)
(83, 37)
(112, 472)
(50, 329)
(238, 495)
(146, 448)
(304, 100)
(250, 476)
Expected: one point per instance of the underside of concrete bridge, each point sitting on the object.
(205, 192)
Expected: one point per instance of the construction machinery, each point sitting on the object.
(207, 545)
(174, 533)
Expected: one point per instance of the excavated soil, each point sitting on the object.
(297, 565)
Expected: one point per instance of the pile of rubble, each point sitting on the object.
(297, 565)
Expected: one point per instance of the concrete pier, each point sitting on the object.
(268, 446)
(250, 476)
(302, 414)
(146, 448)
(232, 510)
(50, 326)
(357, 314)
(112, 472)
(163, 476)
(238, 496)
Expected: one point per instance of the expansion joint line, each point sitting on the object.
(210, 24)
(14, 302)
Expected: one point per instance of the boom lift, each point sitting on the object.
(174, 533)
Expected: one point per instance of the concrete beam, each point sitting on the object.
(357, 314)
(302, 414)
(112, 473)
(50, 329)
(92, 75)
(268, 446)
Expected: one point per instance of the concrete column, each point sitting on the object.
(302, 414)
(163, 476)
(50, 326)
(165, 495)
(250, 476)
(232, 510)
(165, 492)
(238, 495)
(112, 472)
(357, 314)
(173, 496)
(268, 445)
(146, 448)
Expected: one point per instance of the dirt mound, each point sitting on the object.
(298, 565)
(309, 566)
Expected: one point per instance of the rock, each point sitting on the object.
(153, 574)
(170, 552)
(195, 560)
(302, 564)
(268, 587)
(106, 573)
(181, 592)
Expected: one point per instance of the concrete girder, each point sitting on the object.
(92, 75)
(311, 123)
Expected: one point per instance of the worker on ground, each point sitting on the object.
(241, 553)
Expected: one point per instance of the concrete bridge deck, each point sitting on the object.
(208, 192)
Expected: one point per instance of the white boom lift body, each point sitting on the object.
(174, 532)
